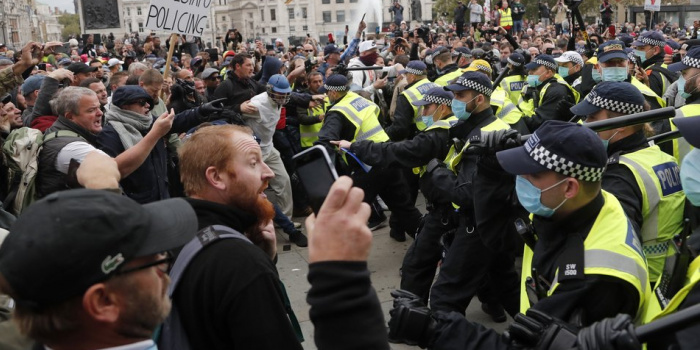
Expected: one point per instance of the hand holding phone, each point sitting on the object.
(317, 174)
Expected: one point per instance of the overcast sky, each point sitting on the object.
(62, 4)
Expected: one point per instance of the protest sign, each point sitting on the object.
(652, 5)
(186, 17)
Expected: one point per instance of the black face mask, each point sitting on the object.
(187, 85)
(369, 59)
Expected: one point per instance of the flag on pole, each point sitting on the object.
(487, 10)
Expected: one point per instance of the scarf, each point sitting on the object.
(129, 125)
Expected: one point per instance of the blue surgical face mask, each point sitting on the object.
(681, 86)
(614, 73)
(530, 197)
(607, 142)
(533, 80)
(459, 108)
(595, 74)
(641, 54)
(563, 72)
(690, 176)
(427, 120)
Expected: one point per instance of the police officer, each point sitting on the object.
(583, 262)
(472, 260)
(462, 56)
(649, 47)
(504, 109)
(546, 97)
(513, 83)
(422, 257)
(570, 65)
(688, 87)
(407, 117)
(643, 178)
(446, 69)
(351, 117)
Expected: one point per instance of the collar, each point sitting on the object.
(62, 123)
(572, 77)
(463, 128)
(210, 213)
(629, 144)
(654, 60)
(449, 68)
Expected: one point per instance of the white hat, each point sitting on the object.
(367, 45)
(113, 62)
(73, 42)
(570, 56)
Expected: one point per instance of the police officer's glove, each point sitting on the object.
(609, 334)
(411, 321)
(538, 331)
(490, 142)
(564, 109)
(209, 108)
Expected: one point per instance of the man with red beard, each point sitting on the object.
(229, 295)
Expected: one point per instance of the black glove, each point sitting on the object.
(609, 334)
(564, 109)
(491, 142)
(410, 322)
(212, 107)
(539, 331)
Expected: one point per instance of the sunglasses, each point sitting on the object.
(163, 265)
(141, 102)
(309, 50)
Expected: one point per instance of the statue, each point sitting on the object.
(416, 11)
(101, 14)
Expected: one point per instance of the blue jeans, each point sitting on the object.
(283, 221)
(517, 26)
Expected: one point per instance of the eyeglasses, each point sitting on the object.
(141, 102)
(163, 265)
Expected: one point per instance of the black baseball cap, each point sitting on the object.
(70, 240)
(567, 148)
(126, 94)
(689, 128)
(78, 67)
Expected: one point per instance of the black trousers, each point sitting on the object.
(460, 29)
(471, 267)
(424, 254)
(390, 184)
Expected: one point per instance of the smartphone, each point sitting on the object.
(317, 174)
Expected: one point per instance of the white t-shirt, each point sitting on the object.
(77, 150)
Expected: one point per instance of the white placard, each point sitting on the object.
(652, 5)
(187, 17)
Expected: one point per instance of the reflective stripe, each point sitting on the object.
(411, 96)
(350, 114)
(650, 227)
(505, 110)
(371, 132)
(598, 258)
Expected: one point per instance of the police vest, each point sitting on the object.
(440, 124)
(415, 93)
(445, 79)
(513, 86)
(505, 109)
(309, 133)
(506, 19)
(528, 107)
(654, 309)
(681, 147)
(658, 177)
(663, 70)
(454, 157)
(363, 114)
(611, 248)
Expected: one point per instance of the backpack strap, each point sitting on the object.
(204, 237)
(60, 133)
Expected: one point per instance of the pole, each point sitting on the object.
(173, 41)
(675, 321)
(665, 137)
(632, 119)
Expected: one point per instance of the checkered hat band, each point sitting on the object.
(691, 62)
(475, 86)
(615, 106)
(576, 60)
(415, 71)
(565, 167)
(632, 56)
(515, 64)
(546, 64)
(437, 99)
(653, 42)
(483, 68)
(335, 88)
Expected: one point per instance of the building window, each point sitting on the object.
(128, 11)
(250, 25)
(138, 11)
(292, 29)
(326, 16)
(274, 29)
(263, 30)
(325, 1)
(340, 16)
(131, 28)
(305, 28)
(353, 1)
(140, 27)
(291, 13)
(262, 15)
(304, 14)
(250, 15)
(223, 18)
(339, 1)
(273, 15)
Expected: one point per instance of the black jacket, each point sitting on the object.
(149, 182)
(229, 296)
(548, 109)
(655, 76)
(402, 126)
(237, 91)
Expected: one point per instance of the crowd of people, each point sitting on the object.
(165, 178)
